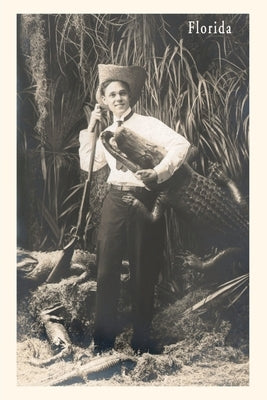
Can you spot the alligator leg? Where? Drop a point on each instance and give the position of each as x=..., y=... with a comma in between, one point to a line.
x=217, y=174
x=57, y=336
x=158, y=208
x=194, y=262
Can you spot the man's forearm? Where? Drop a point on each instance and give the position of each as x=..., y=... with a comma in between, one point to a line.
x=172, y=161
x=85, y=150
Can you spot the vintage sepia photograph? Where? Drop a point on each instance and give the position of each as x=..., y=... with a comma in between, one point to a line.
x=132, y=200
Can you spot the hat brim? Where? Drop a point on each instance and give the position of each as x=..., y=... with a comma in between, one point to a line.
x=133, y=75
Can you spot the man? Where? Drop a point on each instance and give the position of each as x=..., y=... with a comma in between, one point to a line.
x=122, y=228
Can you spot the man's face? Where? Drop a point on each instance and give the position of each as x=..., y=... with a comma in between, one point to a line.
x=116, y=98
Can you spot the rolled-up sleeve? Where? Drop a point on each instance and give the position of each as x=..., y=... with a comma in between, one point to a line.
x=176, y=145
x=85, y=151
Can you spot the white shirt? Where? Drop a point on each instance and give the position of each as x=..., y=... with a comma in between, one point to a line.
x=151, y=129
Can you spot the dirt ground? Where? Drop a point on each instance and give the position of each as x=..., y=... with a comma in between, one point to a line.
x=208, y=349
x=147, y=370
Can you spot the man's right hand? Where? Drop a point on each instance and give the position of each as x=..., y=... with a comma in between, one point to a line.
x=93, y=116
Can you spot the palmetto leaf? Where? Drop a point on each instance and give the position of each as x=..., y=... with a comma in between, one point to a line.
x=74, y=191
x=50, y=221
x=226, y=289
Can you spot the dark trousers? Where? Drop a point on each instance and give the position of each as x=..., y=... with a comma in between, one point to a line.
x=123, y=229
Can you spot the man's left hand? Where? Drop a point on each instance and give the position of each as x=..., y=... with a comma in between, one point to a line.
x=147, y=175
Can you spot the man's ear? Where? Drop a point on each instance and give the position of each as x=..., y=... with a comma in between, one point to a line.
x=104, y=99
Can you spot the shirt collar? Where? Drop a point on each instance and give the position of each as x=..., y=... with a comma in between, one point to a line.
x=123, y=116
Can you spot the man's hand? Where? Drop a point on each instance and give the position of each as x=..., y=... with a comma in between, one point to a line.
x=93, y=116
x=147, y=175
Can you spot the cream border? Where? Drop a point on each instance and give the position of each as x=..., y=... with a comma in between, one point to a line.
x=8, y=198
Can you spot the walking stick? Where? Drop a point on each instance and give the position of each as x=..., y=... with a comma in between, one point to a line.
x=65, y=260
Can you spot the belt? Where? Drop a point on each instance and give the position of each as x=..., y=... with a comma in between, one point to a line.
x=125, y=188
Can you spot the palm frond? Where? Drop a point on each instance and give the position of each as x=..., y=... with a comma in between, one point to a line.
x=224, y=290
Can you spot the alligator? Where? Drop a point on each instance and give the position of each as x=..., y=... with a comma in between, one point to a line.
x=212, y=203
x=94, y=369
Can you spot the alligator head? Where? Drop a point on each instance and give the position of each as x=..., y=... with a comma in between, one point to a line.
x=132, y=150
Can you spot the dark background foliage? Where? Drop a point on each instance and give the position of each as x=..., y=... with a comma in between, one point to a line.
x=197, y=84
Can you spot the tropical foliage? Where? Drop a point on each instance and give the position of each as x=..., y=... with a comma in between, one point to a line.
x=197, y=84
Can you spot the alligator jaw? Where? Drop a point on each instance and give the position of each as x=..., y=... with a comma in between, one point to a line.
x=132, y=150
x=108, y=140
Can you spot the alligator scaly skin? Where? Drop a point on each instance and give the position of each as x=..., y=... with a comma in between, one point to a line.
x=202, y=202
x=96, y=365
x=198, y=199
